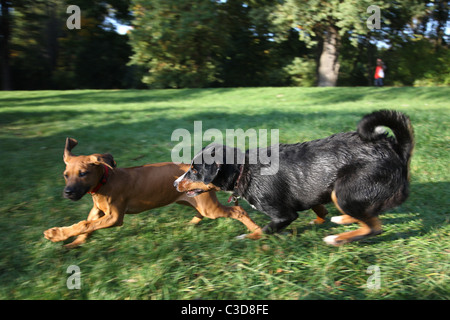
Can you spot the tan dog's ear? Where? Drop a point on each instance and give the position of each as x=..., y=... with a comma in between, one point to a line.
x=106, y=159
x=70, y=144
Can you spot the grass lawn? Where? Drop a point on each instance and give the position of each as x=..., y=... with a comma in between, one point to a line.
x=156, y=255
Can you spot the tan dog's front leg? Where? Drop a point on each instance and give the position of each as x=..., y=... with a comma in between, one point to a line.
x=114, y=218
x=94, y=214
x=195, y=220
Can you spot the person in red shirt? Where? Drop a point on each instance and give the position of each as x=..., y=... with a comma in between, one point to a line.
x=379, y=73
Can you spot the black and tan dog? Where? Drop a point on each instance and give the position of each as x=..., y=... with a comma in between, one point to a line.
x=363, y=173
x=117, y=191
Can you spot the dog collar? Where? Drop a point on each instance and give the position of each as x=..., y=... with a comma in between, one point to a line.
x=102, y=181
x=234, y=197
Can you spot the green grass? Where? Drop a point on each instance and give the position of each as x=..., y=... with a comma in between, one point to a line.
x=155, y=255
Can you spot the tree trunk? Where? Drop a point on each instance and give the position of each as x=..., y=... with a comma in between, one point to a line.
x=4, y=45
x=329, y=64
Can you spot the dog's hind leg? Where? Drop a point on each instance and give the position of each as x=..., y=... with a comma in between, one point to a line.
x=369, y=227
x=345, y=218
x=369, y=222
x=321, y=212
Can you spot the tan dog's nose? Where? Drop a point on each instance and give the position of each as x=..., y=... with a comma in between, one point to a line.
x=68, y=192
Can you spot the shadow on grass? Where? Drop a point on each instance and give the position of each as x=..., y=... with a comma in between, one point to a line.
x=110, y=97
x=327, y=96
x=415, y=217
x=92, y=130
x=322, y=96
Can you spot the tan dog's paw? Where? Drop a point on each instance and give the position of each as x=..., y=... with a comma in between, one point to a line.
x=55, y=234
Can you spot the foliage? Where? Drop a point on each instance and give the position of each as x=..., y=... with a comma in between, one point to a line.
x=177, y=41
x=326, y=25
x=208, y=43
x=214, y=43
x=302, y=72
x=312, y=18
x=45, y=54
x=418, y=63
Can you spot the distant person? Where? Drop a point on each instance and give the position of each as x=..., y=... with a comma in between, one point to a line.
x=379, y=73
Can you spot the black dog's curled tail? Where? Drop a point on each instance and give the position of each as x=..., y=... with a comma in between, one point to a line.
x=398, y=122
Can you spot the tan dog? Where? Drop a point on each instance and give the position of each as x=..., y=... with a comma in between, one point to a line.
x=117, y=191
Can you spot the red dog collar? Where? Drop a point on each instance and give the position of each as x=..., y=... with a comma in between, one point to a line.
x=102, y=181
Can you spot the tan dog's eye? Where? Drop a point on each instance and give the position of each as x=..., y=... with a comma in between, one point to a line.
x=82, y=174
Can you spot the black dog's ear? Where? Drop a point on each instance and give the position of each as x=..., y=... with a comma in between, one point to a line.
x=211, y=172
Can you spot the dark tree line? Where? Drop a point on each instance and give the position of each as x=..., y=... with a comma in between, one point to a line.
x=211, y=43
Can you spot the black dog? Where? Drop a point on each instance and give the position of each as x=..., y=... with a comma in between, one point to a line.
x=364, y=173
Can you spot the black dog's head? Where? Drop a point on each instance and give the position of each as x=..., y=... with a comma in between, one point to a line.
x=204, y=172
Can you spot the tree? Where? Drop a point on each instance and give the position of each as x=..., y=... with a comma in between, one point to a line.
x=45, y=54
x=250, y=57
x=5, y=35
x=245, y=55
x=326, y=23
x=210, y=43
x=35, y=29
x=178, y=42
x=321, y=23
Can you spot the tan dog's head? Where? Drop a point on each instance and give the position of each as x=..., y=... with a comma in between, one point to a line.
x=83, y=173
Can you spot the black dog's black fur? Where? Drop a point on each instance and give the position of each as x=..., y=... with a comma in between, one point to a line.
x=368, y=171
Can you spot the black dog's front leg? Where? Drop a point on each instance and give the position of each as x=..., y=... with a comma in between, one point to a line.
x=279, y=223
